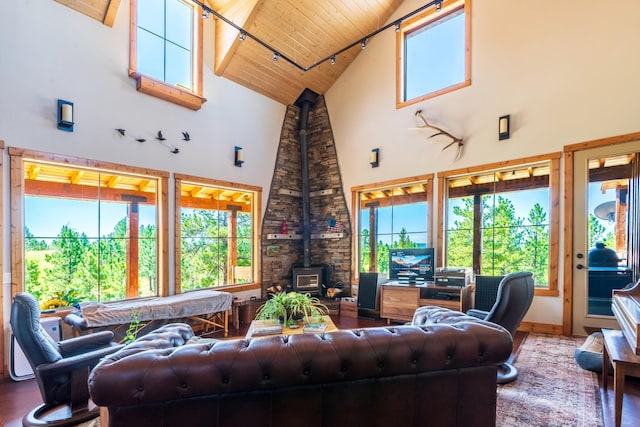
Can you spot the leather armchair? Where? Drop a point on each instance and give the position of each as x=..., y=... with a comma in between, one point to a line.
x=60, y=368
x=515, y=294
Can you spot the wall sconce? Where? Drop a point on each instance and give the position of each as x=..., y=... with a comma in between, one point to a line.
x=373, y=157
x=238, y=159
x=65, y=115
x=504, y=127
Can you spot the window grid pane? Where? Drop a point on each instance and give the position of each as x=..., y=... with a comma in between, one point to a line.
x=77, y=241
x=515, y=225
x=435, y=56
x=216, y=238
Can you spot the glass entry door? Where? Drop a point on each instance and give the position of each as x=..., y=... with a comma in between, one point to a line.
x=600, y=240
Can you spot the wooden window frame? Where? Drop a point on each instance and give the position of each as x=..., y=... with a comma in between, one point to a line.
x=191, y=99
x=554, y=210
x=430, y=16
x=256, y=204
x=17, y=157
x=426, y=179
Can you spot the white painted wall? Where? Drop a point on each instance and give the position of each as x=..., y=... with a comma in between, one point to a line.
x=48, y=51
x=567, y=72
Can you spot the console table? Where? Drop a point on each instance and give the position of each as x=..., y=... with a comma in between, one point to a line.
x=398, y=301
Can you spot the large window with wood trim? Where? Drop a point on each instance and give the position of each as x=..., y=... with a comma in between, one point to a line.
x=216, y=227
x=86, y=230
x=499, y=220
x=434, y=52
x=391, y=215
x=166, y=50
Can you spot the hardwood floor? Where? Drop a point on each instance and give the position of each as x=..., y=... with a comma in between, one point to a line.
x=18, y=398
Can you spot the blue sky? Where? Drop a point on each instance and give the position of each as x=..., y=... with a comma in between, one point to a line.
x=45, y=216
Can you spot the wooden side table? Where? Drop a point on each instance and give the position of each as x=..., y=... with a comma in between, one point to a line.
x=625, y=362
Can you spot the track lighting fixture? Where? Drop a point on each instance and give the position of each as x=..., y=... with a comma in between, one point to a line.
x=332, y=58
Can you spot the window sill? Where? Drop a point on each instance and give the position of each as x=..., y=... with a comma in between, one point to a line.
x=167, y=92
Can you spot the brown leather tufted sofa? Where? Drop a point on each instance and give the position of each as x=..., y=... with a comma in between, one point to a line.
x=442, y=374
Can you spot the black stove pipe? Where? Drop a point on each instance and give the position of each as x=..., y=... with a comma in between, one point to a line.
x=305, y=101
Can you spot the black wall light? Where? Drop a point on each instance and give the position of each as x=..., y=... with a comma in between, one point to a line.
x=238, y=157
x=504, y=127
x=65, y=115
x=373, y=157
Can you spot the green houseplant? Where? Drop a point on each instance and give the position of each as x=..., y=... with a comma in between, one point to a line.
x=290, y=306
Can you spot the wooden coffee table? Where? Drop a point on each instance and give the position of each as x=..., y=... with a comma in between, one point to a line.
x=331, y=327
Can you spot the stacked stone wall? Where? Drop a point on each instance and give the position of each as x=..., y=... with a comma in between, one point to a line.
x=328, y=213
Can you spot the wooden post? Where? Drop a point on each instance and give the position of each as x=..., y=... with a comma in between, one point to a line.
x=233, y=242
x=373, y=233
x=133, y=244
x=477, y=233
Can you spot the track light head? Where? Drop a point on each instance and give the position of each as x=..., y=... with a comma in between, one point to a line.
x=439, y=6
x=205, y=14
x=242, y=36
x=276, y=56
x=364, y=43
x=333, y=59
x=397, y=27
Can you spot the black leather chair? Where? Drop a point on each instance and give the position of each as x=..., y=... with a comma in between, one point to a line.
x=515, y=294
x=60, y=368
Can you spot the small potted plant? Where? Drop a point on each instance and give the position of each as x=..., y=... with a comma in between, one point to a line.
x=287, y=307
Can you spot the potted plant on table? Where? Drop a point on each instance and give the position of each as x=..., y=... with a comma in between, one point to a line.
x=288, y=307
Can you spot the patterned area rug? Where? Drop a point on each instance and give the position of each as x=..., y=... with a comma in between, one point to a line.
x=551, y=389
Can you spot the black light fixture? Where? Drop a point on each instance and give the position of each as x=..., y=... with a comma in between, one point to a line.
x=504, y=127
x=374, y=157
x=333, y=59
x=238, y=157
x=65, y=115
x=277, y=55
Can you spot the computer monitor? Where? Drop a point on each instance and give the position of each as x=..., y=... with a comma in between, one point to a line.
x=412, y=265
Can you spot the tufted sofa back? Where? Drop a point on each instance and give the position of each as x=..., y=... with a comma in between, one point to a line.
x=405, y=376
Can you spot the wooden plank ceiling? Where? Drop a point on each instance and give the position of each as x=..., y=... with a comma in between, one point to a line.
x=305, y=31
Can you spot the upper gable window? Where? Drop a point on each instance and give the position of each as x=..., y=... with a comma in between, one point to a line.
x=166, y=58
x=434, y=53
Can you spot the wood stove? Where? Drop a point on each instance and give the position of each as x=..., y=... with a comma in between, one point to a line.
x=308, y=279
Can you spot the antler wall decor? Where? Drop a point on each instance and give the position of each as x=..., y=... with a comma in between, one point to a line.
x=454, y=140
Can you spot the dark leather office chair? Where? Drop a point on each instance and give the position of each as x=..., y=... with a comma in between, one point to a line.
x=515, y=294
x=61, y=368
